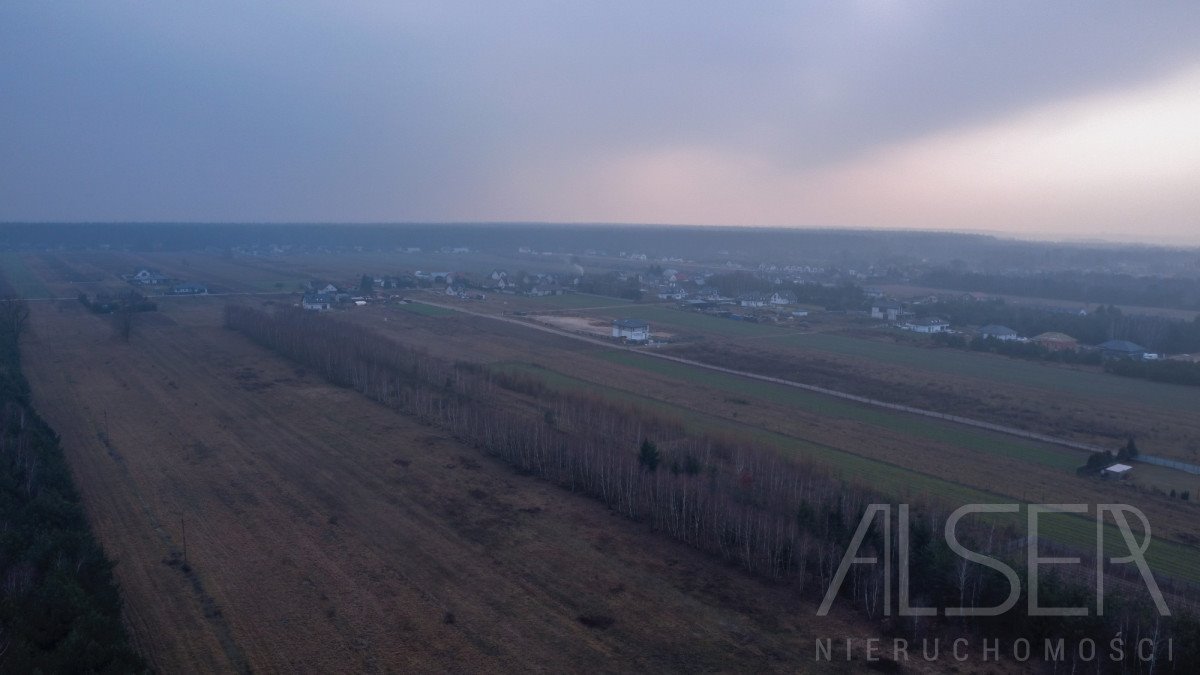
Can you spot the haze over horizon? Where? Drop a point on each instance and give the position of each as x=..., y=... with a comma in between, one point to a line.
x=1025, y=119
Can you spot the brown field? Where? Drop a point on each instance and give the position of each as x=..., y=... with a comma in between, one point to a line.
x=324, y=532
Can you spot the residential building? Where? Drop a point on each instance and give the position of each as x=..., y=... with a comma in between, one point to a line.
x=317, y=301
x=998, y=332
x=1121, y=349
x=927, y=325
x=633, y=330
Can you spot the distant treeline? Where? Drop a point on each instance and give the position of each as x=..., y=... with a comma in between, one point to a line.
x=1106, y=322
x=843, y=249
x=1091, y=287
x=60, y=610
x=773, y=516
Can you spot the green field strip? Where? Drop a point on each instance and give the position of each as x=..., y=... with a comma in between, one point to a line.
x=1167, y=557
x=426, y=310
x=995, y=368
x=946, y=432
x=21, y=278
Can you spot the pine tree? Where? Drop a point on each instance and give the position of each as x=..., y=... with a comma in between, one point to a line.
x=648, y=455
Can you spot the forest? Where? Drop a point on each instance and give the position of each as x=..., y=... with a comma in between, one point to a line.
x=778, y=518
x=60, y=609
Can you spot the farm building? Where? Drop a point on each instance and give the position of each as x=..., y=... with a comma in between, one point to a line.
x=189, y=289
x=1121, y=349
x=634, y=330
x=1057, y=342
x=783, y=298
x=890, y=311
x=929, y=325
x=998, y=332
x=317, y=301
x=1116, y=471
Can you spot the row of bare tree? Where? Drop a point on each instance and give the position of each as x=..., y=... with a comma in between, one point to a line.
x=777, y=517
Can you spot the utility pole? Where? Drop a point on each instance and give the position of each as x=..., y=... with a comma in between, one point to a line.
x=183, y=525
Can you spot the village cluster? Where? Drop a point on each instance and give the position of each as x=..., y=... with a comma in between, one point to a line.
x=690, y=290
x=901, y=316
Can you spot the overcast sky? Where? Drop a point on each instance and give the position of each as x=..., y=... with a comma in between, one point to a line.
x=1074, y=119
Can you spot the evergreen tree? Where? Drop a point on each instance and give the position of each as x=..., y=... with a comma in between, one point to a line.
x=648, y=455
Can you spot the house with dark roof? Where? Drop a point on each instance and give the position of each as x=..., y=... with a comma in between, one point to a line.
x=998, y=332
x=1121, y=349
x=317, y=302
x=633, y=330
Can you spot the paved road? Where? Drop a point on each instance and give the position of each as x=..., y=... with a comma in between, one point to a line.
x=956, y=419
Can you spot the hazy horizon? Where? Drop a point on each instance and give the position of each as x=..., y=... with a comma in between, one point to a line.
x=1187, y=242
x=1022, y=120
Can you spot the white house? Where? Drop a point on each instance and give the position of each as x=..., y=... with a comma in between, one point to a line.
x=929, y=325
x=149, y=277
x=634, y=330
x=1116, y=471
x=317, y=302
x=998, y=332
x=541, y=290
x=753, y=300
x=783, y=298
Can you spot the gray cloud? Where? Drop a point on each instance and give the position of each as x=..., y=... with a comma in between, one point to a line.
x=366, y=111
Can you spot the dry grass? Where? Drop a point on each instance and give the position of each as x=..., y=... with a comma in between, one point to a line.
x=327, y=533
